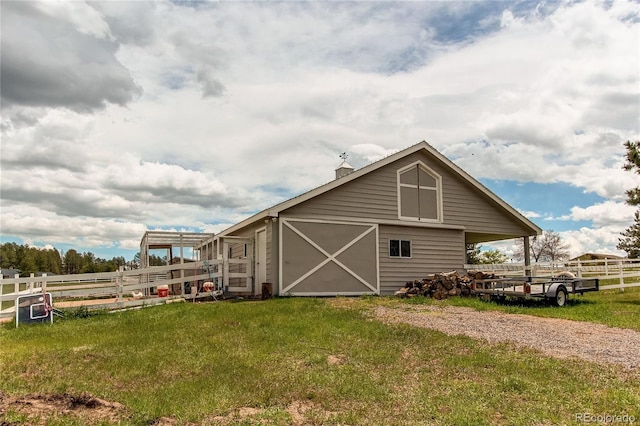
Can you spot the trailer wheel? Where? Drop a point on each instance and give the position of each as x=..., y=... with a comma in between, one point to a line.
x=561, y=296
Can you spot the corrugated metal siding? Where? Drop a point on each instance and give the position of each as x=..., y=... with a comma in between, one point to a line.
x=375, y=196
x=432, y=251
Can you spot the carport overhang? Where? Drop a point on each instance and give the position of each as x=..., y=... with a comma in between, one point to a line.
x=480, y=237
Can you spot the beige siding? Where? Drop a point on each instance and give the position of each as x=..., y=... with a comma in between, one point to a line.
x=272, y=256
x=432, y=251
x=467, y=214
x=371, y=196
x=272, y=251
x=375, y=196
x=237, y=252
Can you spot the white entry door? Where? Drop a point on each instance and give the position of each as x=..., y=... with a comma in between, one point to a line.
x=261, y=259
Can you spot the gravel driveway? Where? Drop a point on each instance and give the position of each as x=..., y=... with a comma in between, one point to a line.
x=555, y=337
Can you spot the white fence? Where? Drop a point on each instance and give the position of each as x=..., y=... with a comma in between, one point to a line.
x=613, y=273
x=123, y=289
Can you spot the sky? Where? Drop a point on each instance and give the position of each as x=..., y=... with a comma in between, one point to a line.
x=123, y=117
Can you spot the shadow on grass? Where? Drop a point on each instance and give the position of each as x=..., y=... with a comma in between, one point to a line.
x=510, y=302
x=539, y=303
x=627, y=302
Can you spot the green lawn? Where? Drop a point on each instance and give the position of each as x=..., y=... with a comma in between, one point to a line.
x=193, y=362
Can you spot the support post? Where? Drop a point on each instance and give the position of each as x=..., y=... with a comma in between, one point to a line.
x=225, y=266
x=527, y=257
x=182, y=265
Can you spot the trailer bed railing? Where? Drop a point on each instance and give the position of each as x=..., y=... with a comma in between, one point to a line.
x=612, y=273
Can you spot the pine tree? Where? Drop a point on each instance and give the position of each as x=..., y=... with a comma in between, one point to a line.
x=633, y=164
x=630, y=240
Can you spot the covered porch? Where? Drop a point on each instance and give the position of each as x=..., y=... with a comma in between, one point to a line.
x=201, y=259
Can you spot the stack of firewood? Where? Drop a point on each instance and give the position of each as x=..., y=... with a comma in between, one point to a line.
x=443, y=285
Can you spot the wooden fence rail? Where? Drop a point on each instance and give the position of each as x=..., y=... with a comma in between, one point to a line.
x=123, y=289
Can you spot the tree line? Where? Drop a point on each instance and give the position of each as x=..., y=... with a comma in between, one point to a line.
x=32, y=260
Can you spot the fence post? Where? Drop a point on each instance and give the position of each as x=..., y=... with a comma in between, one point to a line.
x=16, y=286
x=579, y=269
x=120, y=283
x=621, y=276
x=16, y=289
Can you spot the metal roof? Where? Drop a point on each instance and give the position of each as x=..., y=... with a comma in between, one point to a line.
x=167, y=239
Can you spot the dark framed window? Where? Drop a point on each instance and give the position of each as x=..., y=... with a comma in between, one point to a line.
x=399, y=248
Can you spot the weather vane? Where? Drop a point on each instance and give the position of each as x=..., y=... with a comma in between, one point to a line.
x=344, y=156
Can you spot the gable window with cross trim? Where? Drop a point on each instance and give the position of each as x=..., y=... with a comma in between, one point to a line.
x=419, y=193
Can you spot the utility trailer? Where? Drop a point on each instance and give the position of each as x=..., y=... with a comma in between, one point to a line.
x=553, y=289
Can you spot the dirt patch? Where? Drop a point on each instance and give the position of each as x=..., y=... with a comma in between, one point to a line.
x=39, y=408
x=336, y=359
x=301, y=413
x=169, y=421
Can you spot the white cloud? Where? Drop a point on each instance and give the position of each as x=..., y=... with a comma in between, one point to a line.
x=200, y=116
x=38, y=224
x=593, y=240
x=61, y=58
x=609, y=213
x=84, y=18
x=530, y=214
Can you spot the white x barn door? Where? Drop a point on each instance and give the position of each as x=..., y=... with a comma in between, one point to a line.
x=328, y=258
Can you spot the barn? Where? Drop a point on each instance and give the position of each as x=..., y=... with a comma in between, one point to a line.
x=370, y=230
